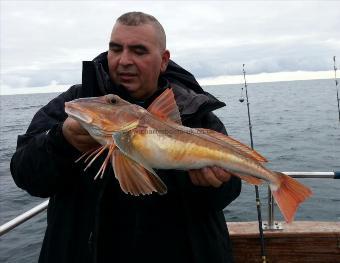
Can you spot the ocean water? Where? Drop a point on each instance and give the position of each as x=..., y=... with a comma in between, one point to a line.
x=295, y=126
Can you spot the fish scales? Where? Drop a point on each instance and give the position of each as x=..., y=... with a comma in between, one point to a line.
x=174, y=147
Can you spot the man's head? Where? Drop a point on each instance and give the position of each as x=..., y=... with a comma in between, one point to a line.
x=137, y=53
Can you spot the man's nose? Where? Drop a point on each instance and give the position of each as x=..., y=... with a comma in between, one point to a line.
x=125, y=58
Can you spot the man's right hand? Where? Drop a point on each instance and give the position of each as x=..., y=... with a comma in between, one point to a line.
x=77, y=136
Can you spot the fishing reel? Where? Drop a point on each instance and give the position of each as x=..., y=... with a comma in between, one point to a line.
x=241, y=99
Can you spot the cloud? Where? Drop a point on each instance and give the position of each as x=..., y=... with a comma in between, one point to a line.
x=266, y=77
x=45, y=41
x=41, y=74
x=262, y=57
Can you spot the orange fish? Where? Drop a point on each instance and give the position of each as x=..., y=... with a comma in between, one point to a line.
x=141, y=140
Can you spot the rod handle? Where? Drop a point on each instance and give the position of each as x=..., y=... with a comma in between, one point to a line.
x=336, y=174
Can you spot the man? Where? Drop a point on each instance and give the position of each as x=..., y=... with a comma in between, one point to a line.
x=94, y=221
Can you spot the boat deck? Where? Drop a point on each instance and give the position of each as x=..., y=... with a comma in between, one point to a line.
x=300, y=241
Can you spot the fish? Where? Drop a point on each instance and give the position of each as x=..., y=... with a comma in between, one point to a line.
x=140, y=141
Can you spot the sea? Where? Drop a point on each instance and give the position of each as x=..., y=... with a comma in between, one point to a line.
x=295, y=125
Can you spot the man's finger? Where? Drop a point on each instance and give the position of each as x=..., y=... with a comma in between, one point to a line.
x=193, y=177
x=210, y=177
x=221, y=174
x=197, y=177
x=201, y=178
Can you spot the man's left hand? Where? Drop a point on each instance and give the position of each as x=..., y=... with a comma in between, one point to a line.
x=209, y=176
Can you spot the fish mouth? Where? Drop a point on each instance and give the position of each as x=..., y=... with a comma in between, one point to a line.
x=73, y=111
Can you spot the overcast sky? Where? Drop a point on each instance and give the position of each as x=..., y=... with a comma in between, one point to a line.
x=44, y=42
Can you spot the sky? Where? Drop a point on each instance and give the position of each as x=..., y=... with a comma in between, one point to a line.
x=43, y=43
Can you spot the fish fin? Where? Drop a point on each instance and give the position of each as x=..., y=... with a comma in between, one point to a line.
x=249, y=179
x=241, y=147
x=134, y=178
x=89, y=153
x=288, y=195
x=101, y=170
x=97, y=153
x=165, y=107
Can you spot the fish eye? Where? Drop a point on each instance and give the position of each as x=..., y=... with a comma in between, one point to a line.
x=110, y=99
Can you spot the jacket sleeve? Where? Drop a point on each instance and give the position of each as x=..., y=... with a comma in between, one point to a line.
x=43, y=162
x=215, y=198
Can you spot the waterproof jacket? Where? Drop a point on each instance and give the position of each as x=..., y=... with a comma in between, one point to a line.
x=93, y=220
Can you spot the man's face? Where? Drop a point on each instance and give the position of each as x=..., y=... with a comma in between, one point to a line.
x=136, y=59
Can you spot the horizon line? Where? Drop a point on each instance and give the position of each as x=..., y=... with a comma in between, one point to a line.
x=53, y=87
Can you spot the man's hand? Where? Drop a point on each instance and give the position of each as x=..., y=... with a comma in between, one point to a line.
x=209, y=176
x=76, y=135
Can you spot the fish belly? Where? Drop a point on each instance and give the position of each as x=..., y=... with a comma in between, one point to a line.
x=167, y=152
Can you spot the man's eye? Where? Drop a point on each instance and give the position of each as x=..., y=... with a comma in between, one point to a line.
x=115, y=49
x=140, y=51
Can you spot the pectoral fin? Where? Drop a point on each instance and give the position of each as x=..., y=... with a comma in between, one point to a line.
x=134, y=178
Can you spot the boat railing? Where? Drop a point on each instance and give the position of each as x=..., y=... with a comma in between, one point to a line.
x=269, y=225
x=23, y=218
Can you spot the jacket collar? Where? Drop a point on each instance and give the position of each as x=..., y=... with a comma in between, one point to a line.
x=192, y=104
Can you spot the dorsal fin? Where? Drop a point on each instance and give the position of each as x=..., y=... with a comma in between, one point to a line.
x=165, y=107
x=245, y=149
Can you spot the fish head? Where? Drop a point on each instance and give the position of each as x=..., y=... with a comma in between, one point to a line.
x=108, y=113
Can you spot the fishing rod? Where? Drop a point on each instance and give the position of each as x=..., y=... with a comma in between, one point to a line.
x=258, y=202
x=336, y=86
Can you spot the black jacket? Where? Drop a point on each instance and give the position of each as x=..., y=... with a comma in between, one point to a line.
x=94, y=221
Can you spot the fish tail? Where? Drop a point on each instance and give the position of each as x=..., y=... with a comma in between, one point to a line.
x=289, y=195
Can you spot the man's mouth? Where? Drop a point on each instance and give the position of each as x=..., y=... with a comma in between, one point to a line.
x=127, y=76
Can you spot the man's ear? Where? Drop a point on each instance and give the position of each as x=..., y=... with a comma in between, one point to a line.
x=165, y=60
